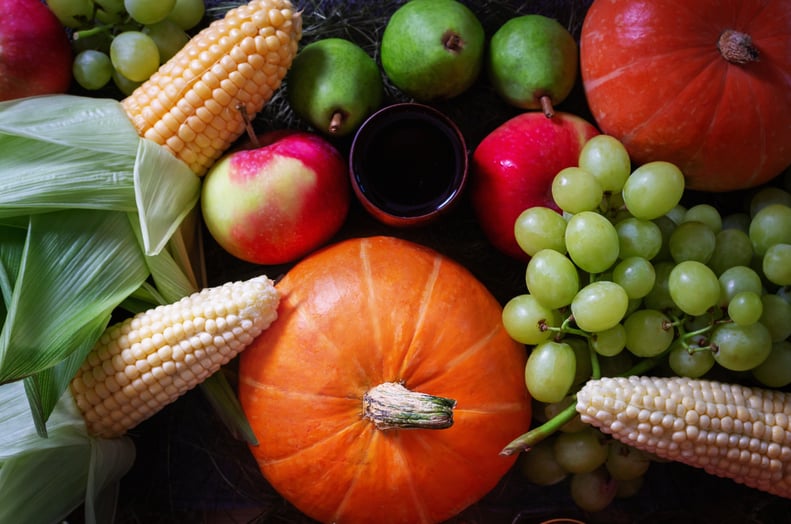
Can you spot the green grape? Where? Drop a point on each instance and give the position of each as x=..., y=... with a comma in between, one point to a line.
x=149, y=11
x=609, y=342
x=581, y=451
x=686, y=363
x=648, y=332
x=187, y=13
x=625, y=462
x=525, y=319
x=635, y=275
x=769, y=195
x=638, y=238
x=676, y=214
x=659, y=297
x=591, y=241
x=538, y=228
x=653, y=189
x=616, y=364
x=582, y=356
x=692, y=241
x=732, y=247
x=606, y=158
x=740, y=348
x=72, y=13
x=776, y=316
x=666, y=227
x=554, y=408
x=771, y=225
x=776, y=264
x=706, y=214
x=775, y=371
x=737, y=279
x=550, y=370
x=552, y=278
x=694, y=287
x=539, y=465
x=593, y=491
x=599, y=306
x=123, y=84
x=745, y=307
x=134, y=55
x=92, y=69
x=110, y=12
x=575, y=190
x=738, y=220
x=168, y=37
x=629, y=488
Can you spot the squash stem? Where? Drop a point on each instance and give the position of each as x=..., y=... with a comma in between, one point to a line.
x=392, y=406
x=737, y=47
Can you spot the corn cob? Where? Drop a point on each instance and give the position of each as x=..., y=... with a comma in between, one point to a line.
x=728, y=430
x=145, y=362
x=195, y=105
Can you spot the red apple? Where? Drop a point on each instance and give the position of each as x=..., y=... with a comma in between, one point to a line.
x=35, y=53
x=278, y=201
x=513, y=166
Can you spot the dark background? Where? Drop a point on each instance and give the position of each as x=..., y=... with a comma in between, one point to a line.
x=189, y=469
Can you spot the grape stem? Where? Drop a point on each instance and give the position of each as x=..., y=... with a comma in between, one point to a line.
x=95, y=30
x=528, y=440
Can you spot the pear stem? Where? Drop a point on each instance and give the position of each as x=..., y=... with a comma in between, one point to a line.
x=336, y=122
x=453, y=42
x=546, y=106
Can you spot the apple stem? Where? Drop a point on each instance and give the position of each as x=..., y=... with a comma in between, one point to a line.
x=546, y=106
x=336, y=122
x=248, y=125
x=737, y=47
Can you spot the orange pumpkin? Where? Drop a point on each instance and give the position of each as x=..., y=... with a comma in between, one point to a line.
x=387, y=387
x=705, y=84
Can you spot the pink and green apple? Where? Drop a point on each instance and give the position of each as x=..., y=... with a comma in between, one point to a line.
x=513, y=166
x=274, y=203
x=35, y=53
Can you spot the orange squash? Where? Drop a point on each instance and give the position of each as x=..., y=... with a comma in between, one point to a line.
x=387, y=387
x=705, y=84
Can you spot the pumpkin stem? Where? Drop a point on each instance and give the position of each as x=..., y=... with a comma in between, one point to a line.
x=737, y=47
x=392, y=406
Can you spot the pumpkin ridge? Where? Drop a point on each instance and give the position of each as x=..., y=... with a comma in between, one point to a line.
x=668, y=104
x=424, y=309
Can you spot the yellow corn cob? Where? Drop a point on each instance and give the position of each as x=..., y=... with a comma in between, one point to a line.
x=728, y=430
x=194, y=105
x=147, y=361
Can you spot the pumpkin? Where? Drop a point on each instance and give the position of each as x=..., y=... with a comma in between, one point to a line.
x=705, y=84
x=387, y=387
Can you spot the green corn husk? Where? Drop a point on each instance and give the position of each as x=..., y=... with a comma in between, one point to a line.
x=93, y=219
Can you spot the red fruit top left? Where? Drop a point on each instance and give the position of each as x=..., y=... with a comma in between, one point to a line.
x=35, y=52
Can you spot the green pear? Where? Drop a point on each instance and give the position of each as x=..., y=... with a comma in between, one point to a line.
x=334, y=85
x=433, y=49
x=532, y=62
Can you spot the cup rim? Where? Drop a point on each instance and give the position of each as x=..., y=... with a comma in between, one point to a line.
x=452, y=130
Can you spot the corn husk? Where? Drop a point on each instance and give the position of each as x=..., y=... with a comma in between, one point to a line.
x=93, y=219
x=44, y=479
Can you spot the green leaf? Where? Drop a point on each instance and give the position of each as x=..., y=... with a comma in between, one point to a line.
x=166, y=190
x=77, y=266
x=45, y=388
x=45, y=479
x=65, y=151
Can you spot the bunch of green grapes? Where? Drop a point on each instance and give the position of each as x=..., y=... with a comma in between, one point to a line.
x=125, y=41
x=627, y=272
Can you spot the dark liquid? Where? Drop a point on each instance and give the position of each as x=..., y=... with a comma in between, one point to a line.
x=408, y=166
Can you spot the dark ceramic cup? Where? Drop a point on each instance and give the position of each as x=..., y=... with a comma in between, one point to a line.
x=408, y=164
